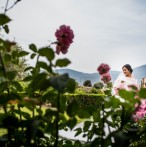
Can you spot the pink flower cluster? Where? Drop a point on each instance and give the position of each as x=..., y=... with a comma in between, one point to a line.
x=64, y=37
x=140, y=111
x=103, y=70
x=106, y=77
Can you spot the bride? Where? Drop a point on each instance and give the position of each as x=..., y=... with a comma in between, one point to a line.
x=125, y=80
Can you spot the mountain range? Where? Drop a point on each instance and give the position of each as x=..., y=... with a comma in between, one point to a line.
x=138, y=72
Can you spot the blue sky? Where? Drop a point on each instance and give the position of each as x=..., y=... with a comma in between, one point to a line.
x=106, y=31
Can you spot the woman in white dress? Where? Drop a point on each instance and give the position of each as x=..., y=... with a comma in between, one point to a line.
x=125, y=80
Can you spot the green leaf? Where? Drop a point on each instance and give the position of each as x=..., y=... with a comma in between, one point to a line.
x=17, y=86
x=23, y=53
x=142, y=93
x=3, y=86
x=40, y=112
x=62, y=62
x=79, y=131
x=15, y=96
x=71, y=84
x=16, y=62
x=96, y=116
x=62, y=103
x=59, y=82
x=32, y=55
x=73, y=108
x=24, y=114
x=6, y=28
x=44, y=85
x=83, y=114
x=50, y=113
x=33, y=48
x=2, y=79
x=28, y=68
x=11, y=74
x=4, y=98
x=47, y=52
x=112, y=102
x=50, y=96
x=77, y=143
x=44, y=66
x=7, y=57
x=72, y=122
x=91, y=109
x=4, y=19
x=38, y=81
x=87, y=125
x=14, y=54
x=127, y=95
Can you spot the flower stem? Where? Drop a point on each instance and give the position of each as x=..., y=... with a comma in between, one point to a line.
x=57, y=121
x=102, y=139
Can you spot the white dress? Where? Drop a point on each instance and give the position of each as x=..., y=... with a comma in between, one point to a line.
x=123, y=82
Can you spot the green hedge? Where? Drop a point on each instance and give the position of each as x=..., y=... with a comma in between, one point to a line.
x=86, y=99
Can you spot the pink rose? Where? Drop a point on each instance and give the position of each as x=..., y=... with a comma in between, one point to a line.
x=106, y=77
x=140, y=110
x=103, y=68
x=64, y=37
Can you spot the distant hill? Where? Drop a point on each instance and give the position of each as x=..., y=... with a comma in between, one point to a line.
x=139, y=72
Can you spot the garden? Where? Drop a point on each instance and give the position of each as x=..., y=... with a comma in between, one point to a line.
x=36, y=103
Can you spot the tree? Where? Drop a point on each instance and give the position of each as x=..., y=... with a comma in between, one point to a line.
x=87, y=83
x=13, y=59
x=98, y=85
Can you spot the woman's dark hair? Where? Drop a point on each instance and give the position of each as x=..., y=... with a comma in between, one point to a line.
x=128, y=67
